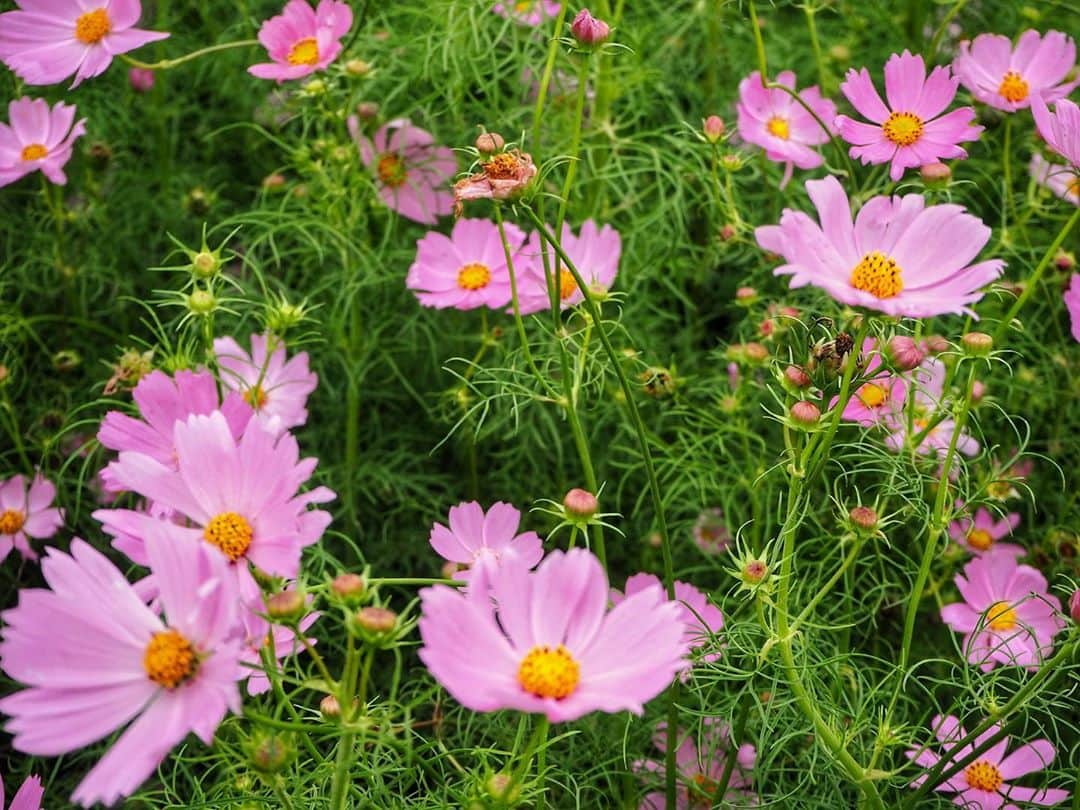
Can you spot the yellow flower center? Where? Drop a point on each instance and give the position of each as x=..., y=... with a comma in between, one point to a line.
x=391, y=170
x=982, y=775
x=34, y=151
x=779, y=127
x=92, y=26
x=567, y=285
x=523, y=6
x=1013, y=88
x=304, y=52
x=502, y=166
x=703, y=790
x=169, y=659
x=11, y=521
x=872, y=395
x=474, y=276
x=980, y=539
x=1073, y=189
x=231, y=533
x=999, y=616
x=903, y=128
x=255, y=397
x=878, y=275
x=999, y=490
x=549, y=673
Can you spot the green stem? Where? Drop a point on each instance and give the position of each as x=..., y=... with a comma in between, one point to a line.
x=759, y=43
x=545, y=80
x=1006, y=170
x=168, y=64
x=811, y=25
x=856, y=545
x=935, y=41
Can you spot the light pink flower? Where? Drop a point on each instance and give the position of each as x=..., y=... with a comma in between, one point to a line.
x=95, y=657
x=240, y=496
x=772, y=119
x=1006, y=78
x=984, y=784
x=39, y=138
x=595, y=253
x=900, y=256
x=466, y=269
x=257, y=635
x=503, y=176
x=277, y=389
x=27, y=513
x=163, y=401
x=911, y=131
x=1062, y=181
x=711, y=533
x=701, y=768
x=141, y=80
x=874, y=399
x=411, y=172
x=528, y=12
x=28, y=797
x=1060, y=128
x=544, y=642
x=928, y=383
x=485, y=543
x=1007, y=616
x=980, y=536
x=302, y=40
x=1072, y=304
x=45, y=41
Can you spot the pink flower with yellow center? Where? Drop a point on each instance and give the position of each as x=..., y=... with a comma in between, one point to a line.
x=595, y=252
x=899, y=255
x=1005, y=77
x=774, y=120
x=302, y=40
x=985, y=783
x=702, y=765
x=96, y=659
x=528, y=12
x=466, y=269
x=1007, y=614
x=258, y=634
x=485, y=542
x=926, y=384
x=25, y=513
x=38, y=138
x=544, y=641
x=980, y=535
x=879, y=395
x=910, y=131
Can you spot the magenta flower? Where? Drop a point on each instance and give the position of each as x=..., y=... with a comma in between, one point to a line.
x=544, y=642
x=911, y=131
x=257, y=635
x=1006, y=78
x=411, y=172
x=595, y=253
x=1062, y=181
x=701, y=768
x=95, y=657
x=528, y=12
x=485, y=543
x=28, y=797
x=879, y=396
x=1060, y=128
x=982, y=785
x=1007, y=616
x=772, y=119
x=240, y=496
x=1072, y=304
x=141, y=79
x=45, y=41
x=711, y=533
x=928, y=384
x=900, y=256
x=302, y=40
x=163, y=401
x=467, y=269
x=277, y=389
x=27, y=513
x=39, y=138
x=980, y=536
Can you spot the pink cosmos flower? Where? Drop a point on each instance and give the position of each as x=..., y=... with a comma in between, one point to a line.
x=277, y=389
x=773, y=120
x=1006, y=78
x=1072, y=304
x=467, y=269
x=411, y=172
x=899, y=256
x=484, y=543
x=27, y=513
x=1060, y=128
x=1062, y=181
x=302, y=40
x=711, y=533
x=528, y=12
x=980, y=536
x=1007, y=616
x=503, y=176
x=45, y=41
x=879, y=395
x=911, y=131
x=95, y=657
x=982, y=785
x=239, y=495
x=163, y=401
x=928, y=383
x=39, y=138
x=595, y=253
x=257, y=635
x=701, y=768
x=546, y=642
x=141, y=79
x=28, y=797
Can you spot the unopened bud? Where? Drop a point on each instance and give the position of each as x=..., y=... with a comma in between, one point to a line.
x=357, y=67
x=141, y=79
x=936, y=175
x=273, y=181
x=580, y=503
x=796, y=377
x=367, y=110
x=202, y=302
x=864, y=517
x=348, y=587
x=376, y=619
x=805, y=413
x=588, y=30
x=731, y=162
x=1064, y=260
x=755, y=571
x=270, y=753
x=756, y=352
x=977, y=344
x=936, y=344
x=657, y=382
x=204, y=264
x=714, y=128
x=727, y=233
x=502, y=788
x=488, y=143
x=329, y=707
x=905, y=353
x=746, y=295
x=286, y=605
x=315, y=87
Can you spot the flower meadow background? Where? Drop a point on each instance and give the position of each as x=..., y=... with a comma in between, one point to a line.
x=310, y=497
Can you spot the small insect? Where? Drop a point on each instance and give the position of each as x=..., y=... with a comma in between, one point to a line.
x=830, y=352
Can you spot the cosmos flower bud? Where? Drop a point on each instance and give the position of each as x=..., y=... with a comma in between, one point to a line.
x=287, y=605
x=367, y=110
x=977, y=344
x=205, y=264
x=905, y=353
x=580, y=503
x=657, y=381
x=731, y=162
x=141, y=79
x=744, y=296
x=714, y=128
x=357, y=67
x=1064, y=260
x=202, y=302
x=270, y=753
x=796, y=377
x=755, y=571
x=502, y=787
x=936, y=175
x=349, y=588
x=936, y=344
x=863, y=517
x=806, y=413
x=275, y=181
x=588, y=30
x=329, y=707
x=727, y=233
x=489, y=142
x=375, y=620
